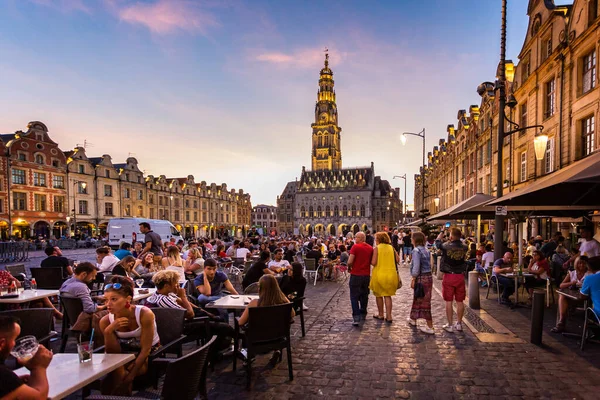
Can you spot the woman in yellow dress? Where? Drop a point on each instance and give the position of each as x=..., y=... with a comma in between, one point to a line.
x=384, y=278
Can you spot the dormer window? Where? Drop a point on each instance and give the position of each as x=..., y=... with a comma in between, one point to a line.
x=39, y=159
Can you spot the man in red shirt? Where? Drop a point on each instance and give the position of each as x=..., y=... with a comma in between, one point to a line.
x=359, y=265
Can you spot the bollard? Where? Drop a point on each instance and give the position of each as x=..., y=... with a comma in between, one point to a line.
x=537, y=317
x=474, y=290
x=439, y=274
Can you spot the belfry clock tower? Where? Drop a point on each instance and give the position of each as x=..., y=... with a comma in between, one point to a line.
x=326, y=146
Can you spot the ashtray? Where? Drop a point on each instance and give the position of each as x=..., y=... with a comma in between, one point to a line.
x=143, y=291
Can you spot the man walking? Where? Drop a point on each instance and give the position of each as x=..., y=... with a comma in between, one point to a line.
x=152, y=243
x=359, y=265
x=453, y=265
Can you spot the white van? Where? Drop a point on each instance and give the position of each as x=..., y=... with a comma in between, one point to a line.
x=128, y=230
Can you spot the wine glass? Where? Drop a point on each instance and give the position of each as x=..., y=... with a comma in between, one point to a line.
x=139, y=283
x=25, y=348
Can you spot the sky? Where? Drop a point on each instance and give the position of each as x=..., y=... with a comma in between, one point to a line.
x=225, y=89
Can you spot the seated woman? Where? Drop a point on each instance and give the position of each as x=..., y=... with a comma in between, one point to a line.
x=146, y=268
x=221, y=251
x=342, y=265
x=126, y=328
x=173, y=262
x=539, y=268
x=126, y=268
x=269, y=294
x=574, y=280
x=170, y=295
x=293, y=283
x=194, y=264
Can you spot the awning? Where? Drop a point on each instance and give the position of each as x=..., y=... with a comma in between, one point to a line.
x=576, y=187
x=458, y=211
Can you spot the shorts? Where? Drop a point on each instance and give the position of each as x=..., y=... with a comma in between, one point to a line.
x=407, y=251
x=453, y=287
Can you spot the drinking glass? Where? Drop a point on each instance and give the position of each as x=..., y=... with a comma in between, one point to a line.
x=85, y=351
x=25, y=348
x=139, y=283
x=3, y=290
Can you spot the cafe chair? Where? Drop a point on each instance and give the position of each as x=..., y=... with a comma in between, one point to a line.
x=591, y=322
x=72, y=307
x=18, y=271
x=268, y=329
x=311, y=267
x=492, y=280
x=251, y=288
x=298, y=303
x=48, y=278
x=185, y=378
x=37, y=322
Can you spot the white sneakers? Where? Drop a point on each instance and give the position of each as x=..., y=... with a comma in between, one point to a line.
x=411, y=322
x=426, y=329
x=454, y=327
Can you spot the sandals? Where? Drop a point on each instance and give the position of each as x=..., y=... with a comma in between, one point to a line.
x=389, y=321
x=377, y=317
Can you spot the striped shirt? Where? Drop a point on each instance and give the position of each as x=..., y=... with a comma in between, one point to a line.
x=163, y=301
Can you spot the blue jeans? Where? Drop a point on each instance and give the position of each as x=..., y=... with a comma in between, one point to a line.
x=509, y=286
x=204, y=300
x=359, y=294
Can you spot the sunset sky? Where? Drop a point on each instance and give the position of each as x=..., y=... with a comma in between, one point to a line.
x=225, y=90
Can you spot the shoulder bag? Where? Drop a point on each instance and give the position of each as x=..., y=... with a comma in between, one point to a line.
x=396, y=259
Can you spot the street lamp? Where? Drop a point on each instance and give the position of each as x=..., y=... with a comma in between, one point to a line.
x=170, y=207
x=539, y=142
x=403, y=177
x=68, y=227
x=403, y=139
x=436, y=203
x=83, y=185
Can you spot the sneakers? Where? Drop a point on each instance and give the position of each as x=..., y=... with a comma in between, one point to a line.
x=355, y=321
x=304, y=307
x=426, y=329
x=448, y=328
x=458, y=327
x=411, y=322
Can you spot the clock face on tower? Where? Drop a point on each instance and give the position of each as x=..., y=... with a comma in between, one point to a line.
x=323, y=118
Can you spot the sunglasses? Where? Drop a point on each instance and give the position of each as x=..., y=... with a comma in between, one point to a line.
x=115, y=286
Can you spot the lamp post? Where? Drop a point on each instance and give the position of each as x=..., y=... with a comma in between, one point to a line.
x=83, y=186
x=539, y=142
x=403, y=177
x=68, y=227
x=170, y=207
x=422, y=136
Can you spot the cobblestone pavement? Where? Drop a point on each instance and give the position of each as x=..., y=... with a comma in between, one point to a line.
x=337, y=360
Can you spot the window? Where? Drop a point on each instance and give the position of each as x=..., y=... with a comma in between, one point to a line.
x=489, y=183
x=59, y=203
x=187, y=215
x=589, y=72
x=525, y=70
x=177, y=215
x=550, y=98
x=140, y=211
x=81, y=188
x=107, y=173
x=81, y=169
x=549, y=156
x=140, y=195
x=187, y=204
x=39, y=179
x=177, y=202
x=39, y=159
x=108, y=190
x=523, y=172
x=522, y=117
x=205, y=219
x=22, y=157
x=108, y=208
x=592, y=11
x=127, y=193
x=127, y=210
x=58, y=182
x=480, y=185
x=40, y=202
x=19, y=201
x=195, y=215
x=547, y=47
x=589, y=135
x=83, y=207
x=55, y=163
x=18, y=176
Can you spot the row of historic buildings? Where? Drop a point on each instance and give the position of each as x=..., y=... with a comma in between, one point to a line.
x=555, y=84
x=265, y=217
x=329, y=199
x=47, y=192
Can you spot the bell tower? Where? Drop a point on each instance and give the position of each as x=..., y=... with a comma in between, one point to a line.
x=326, y=145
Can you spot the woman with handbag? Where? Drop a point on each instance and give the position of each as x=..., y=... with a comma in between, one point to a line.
x=422, y=283
x=384, y=279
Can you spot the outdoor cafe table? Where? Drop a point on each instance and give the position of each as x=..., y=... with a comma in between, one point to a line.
x=233, y=302
x=67, y=375
x=516, y=276
x=137, y=296
x=26, y=296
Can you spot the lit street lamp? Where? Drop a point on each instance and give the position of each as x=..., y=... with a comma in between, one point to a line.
x=83, y=185
x=539, y=142
x=403, y=139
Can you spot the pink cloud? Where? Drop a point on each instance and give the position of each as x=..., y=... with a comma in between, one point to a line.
x=168, y=16
x=301, y=58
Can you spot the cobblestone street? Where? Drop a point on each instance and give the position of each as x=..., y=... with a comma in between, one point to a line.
x=337, y=360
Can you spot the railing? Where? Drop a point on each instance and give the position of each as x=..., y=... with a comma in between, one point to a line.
x=14, y=251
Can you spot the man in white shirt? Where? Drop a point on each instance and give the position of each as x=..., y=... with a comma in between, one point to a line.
x=590, y=246
x=242, y=252
x=487, y=259
x=278, y=264
x=105, y=260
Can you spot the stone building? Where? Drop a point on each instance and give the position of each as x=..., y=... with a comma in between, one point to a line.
x=265, y=216
x=56, y=193
x=554, y=84
x=329, y=199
